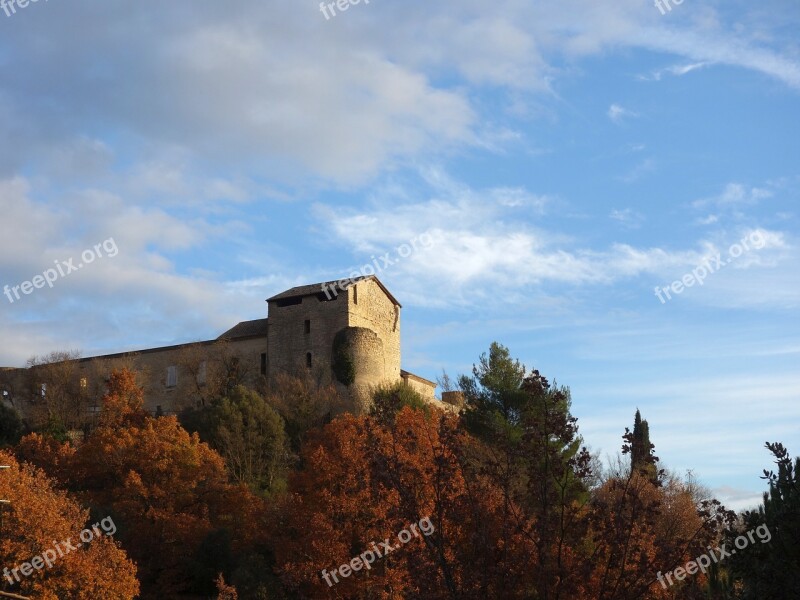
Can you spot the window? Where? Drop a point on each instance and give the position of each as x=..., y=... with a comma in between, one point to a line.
x=264, y=364
x=84, y=383
x=355, y=294
x=308, y=359
x=289, y=302
x=201, y=373
x=44, y=390
x=172, y=376
x=308, y=326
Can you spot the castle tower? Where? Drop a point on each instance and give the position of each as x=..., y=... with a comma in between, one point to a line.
x=348, y=334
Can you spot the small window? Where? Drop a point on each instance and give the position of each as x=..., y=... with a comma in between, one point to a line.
x=264, y=364
x=355, y=294
x=44, y=390
x=172, y=376
x=289, y=302
x=308, y=326
x=308, y=359
x=201, y=373
x=84, y=383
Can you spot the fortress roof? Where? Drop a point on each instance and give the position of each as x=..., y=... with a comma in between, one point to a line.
x=319, y=288
x=245, y=329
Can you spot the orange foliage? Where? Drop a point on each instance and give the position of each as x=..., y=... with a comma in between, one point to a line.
x=40, y=515
x=166, y=489
x=364, y=481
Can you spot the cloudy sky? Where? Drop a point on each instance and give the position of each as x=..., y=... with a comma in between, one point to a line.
x=565, y=158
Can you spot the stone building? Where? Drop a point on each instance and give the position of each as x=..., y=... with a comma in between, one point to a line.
x=348, y=335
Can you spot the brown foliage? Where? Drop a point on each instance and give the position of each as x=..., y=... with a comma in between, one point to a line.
x=363, y=482
x=39, y=515
x=167, y=490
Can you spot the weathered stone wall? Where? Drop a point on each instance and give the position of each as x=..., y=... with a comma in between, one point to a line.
x=423, y=388
x=289, y=343
x=298, y=329
x=240, y=359
x=367, y=354
x=370, y=307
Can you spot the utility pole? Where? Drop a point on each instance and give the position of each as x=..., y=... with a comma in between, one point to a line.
x=3, y=503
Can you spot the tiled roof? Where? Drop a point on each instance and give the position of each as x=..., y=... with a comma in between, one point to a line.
x=318, y=288
x=257, y=328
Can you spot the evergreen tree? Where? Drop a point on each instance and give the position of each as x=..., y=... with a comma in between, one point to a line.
x=769, y=569
x=642, y=458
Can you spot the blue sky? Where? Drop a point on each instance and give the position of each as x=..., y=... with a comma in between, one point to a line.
x=565, y=158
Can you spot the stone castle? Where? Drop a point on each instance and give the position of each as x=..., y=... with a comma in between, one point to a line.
x=350, y=338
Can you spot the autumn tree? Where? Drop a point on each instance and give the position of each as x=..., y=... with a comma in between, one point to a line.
x=54, y=391
x=168, y=492
x=640, y=526
x=534, y=453
x=304, y=403
x=365, y=480
x=39, y=516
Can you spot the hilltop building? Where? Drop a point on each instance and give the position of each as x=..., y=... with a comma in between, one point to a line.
x=350, y=338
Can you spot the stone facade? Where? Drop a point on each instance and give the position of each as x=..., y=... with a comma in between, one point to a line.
x=297, y=338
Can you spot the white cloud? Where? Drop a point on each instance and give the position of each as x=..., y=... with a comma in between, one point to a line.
x=618, y=113
x=628, y=217
x=676, y=70
x=484, y=249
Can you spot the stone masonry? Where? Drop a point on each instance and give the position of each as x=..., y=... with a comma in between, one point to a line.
x=297, y=338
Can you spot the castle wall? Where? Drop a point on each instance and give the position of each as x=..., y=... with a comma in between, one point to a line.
x=290, y=342
x=423, y=387
x=370, y=307
x=298, y=339
x=201, y=370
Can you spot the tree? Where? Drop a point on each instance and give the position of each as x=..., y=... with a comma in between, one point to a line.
x=251, y=438
x=642, y=458
x=494, y=393
x=389, y=399
x=304, y=403
x=55, y=392
x=535, y=455
x=770, y=566
x=405, y=470
x=11, y=427
x=38, y=515
x=168, y=492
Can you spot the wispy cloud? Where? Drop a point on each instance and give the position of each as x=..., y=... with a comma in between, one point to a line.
x=676, y=70
x=618, y=113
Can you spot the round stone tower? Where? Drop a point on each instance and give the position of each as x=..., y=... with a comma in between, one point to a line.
x=359, y=364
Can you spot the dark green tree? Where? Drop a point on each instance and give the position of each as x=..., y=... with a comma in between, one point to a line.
x=389, y=399
x=642, y=458
x=494, y=397
x=250, y=436
x=769, y=568
x=11, y=428
x=534, y=453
